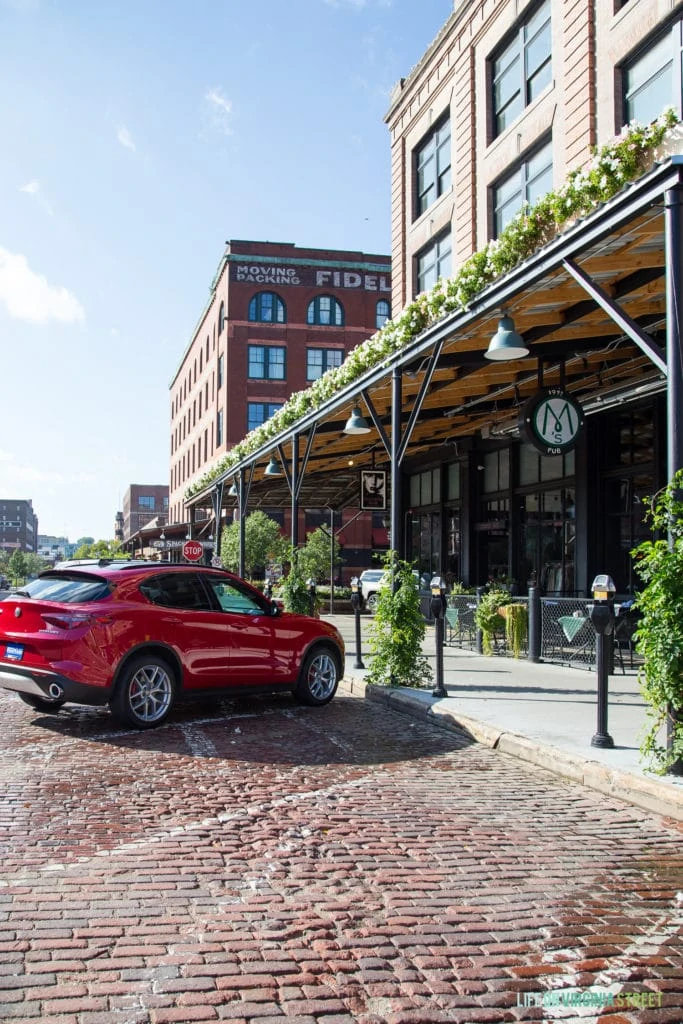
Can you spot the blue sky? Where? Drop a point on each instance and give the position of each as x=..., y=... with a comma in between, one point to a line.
x=137, y=136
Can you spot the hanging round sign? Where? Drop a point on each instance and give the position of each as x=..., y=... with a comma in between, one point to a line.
x=551, y=421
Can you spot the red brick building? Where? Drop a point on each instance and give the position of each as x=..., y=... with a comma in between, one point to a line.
x=277, y=318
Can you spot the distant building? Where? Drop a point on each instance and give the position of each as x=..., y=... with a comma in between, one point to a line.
x=18, y=525
x=142, y=504
x=278, y=317
x=53, y=549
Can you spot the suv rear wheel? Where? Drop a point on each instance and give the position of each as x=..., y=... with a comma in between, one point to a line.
x=372, y=601
x=145, y=692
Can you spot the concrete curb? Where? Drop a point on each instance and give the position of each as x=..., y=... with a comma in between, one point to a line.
x=649, y=794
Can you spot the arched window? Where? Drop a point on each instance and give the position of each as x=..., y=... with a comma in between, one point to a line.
x=382, y=313
x=221, y=318
x=326, y=311
x=267, y=308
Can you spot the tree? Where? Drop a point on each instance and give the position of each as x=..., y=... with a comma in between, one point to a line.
x=100, y=549
x=34, y=563
x=263, y=543
x=17, y=566
x=84, y=541
x=398, y=630
x=315, y=557
x=659, y=634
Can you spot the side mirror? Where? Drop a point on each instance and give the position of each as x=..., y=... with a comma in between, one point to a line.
x=275, y=608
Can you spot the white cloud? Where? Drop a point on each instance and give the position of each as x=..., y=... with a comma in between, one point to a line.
x=126, y=139
x=28, y=296
x=220, y=110
x=32, y=188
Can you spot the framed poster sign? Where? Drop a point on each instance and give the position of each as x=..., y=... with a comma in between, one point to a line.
x=373, y=489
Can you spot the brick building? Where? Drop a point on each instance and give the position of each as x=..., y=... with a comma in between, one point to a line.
x=18, y=525
x=277, y=318
x=143, y=504
x=507, y=100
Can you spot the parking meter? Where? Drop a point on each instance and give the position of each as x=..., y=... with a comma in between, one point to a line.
x=437, y=603
x=437, y=606
x=602, y=611
x=356, y=602
x=601, y=614
x=268, y=589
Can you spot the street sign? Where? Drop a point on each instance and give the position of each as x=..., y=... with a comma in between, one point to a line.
x=193, y=550
x=217, y=562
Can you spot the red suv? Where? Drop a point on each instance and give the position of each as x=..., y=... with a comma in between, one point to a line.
x=138, y=636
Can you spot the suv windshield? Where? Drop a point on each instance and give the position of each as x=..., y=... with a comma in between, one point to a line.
x=67, y=588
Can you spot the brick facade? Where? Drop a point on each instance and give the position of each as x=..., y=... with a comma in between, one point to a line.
x=212, y=388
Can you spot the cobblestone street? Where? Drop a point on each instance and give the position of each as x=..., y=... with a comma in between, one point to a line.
x=255, y=861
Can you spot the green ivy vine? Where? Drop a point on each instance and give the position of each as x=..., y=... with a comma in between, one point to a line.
x=659, y=635
x=398, y=630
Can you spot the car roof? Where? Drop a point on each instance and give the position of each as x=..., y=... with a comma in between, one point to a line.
x=104, y=568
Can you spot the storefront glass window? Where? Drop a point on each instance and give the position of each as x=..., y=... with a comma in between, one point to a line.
x=496, y=468
x=547, y=532
x=453, y=482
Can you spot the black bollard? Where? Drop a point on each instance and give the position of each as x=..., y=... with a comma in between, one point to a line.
x=479, y=636
x=355, y=604
x=437, y=606
x=311, y=597
x=535, y=624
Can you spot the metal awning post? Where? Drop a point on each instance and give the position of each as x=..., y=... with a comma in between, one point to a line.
x=242, y=506
x=397, y=540
x=294, y=483
x=673, y=213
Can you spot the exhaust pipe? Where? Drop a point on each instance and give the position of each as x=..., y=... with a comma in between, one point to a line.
x=55, y=691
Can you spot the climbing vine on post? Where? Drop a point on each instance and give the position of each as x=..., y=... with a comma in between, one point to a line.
x=659, y=635
x=398, y=630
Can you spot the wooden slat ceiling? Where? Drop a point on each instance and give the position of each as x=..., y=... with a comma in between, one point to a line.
x=568, y=333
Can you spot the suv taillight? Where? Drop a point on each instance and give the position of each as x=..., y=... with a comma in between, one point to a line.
x=67, y=620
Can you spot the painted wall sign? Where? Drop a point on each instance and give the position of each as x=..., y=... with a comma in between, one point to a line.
x=308, y=277
x=551, y=421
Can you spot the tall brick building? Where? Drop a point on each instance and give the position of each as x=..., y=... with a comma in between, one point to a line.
x=18, y=525
x=142, y=504
x=277, y=318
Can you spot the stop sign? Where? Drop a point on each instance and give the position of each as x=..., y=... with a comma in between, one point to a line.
x=193, y=550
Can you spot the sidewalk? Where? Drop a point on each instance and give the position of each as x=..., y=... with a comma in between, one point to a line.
x=542, y=713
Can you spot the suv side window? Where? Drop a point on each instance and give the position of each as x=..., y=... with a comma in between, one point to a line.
x=177, y=590
x=232, y=598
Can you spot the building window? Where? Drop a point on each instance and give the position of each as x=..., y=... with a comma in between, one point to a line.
x=266, y=362
x=146, y=501
x=530, y=180
x=522, y=69
x=219, y=427
x=433, y=167
x=221, y=318
x=267, y=308
x=425, y=488
x=649, y=81
x=319, y=360
x=221, y=365
x=382, y=313
x=434, y=262
x=259, y=412
x=325, y=311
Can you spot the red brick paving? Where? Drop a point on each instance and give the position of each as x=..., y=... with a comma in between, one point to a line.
x=258, y=862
